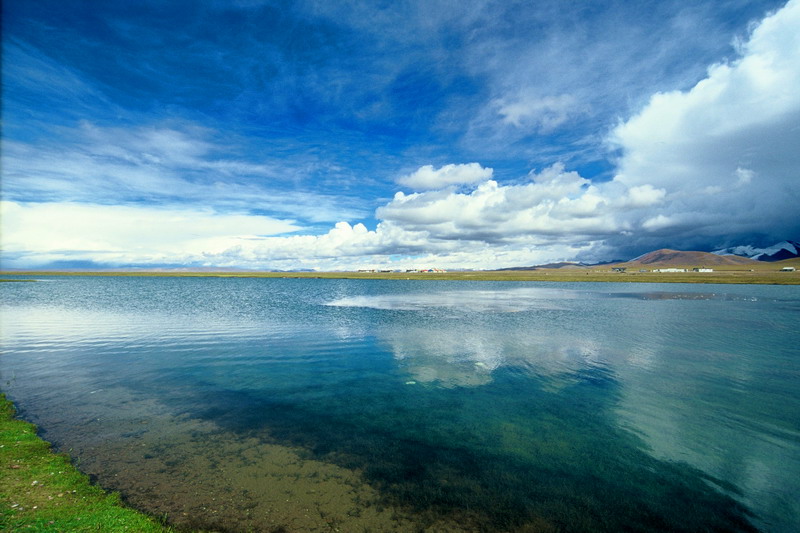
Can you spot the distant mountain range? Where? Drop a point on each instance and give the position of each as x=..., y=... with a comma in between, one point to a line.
x=736, y=255
x=666, y=257
x=777, y=252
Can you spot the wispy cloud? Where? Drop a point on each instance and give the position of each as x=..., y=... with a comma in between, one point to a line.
x=572, y=75
x=286, y=132
x=545, y=114
x=163, y=166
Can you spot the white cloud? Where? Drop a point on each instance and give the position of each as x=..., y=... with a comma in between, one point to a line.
x=555, y=202
x=645, y=196
x=159, y=164
x=744, y=176
x=555, y=70
x=715, y=161
x=545, y=114
x=427, y=177
x=38, y=233
x=728, y=147
x=659, y=222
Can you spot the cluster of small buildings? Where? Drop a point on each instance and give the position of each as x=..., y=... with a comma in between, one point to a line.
x=697, y=269
x=410, y=270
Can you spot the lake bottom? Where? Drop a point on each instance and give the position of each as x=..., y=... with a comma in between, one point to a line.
x=334, y=405
x=416, y=466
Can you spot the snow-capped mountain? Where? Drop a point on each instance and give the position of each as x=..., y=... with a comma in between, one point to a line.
x=776, y=252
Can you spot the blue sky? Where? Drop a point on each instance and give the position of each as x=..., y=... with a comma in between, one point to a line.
x=342, y=135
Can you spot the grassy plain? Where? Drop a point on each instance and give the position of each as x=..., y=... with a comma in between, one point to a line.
x=769, y=273
x=42, y=491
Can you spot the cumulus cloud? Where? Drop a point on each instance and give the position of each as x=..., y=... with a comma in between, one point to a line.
x=717, y=162
x=644, y=196
x=706, y=166
x=726, y=148
x=392, y=246
x=553, y=202
x=427, y=177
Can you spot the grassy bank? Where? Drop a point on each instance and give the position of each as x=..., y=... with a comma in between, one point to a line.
x=763, y=275
x=43, y=491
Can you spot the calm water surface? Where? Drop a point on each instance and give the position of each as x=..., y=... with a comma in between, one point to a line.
x=368, y=405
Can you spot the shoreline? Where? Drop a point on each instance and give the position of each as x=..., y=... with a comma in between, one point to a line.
x=43, y=490
x=757, y=277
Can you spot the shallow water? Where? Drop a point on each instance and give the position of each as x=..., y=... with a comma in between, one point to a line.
x=369, y=405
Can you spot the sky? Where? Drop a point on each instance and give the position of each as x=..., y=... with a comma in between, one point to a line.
x=342, y=135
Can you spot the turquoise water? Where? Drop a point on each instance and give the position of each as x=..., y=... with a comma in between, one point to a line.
x=369, y=405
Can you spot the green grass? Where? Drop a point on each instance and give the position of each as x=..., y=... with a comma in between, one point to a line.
x=42, y=491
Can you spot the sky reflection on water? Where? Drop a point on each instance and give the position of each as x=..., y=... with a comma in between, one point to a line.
x=496, y=405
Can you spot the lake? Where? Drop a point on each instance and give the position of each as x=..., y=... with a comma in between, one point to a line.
x=250, y=404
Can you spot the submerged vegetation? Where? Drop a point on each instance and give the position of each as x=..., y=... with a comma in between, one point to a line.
x=544, y=461
x=271, y=410
x=43, y=491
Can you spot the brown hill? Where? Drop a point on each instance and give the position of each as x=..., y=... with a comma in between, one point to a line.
x=549, y=266
x=563, y=264
x=666, y=257
x=795, y=262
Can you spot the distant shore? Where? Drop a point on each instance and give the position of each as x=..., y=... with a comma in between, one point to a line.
x=763, y=275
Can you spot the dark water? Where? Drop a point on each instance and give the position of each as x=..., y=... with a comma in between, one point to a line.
x=342, y=405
